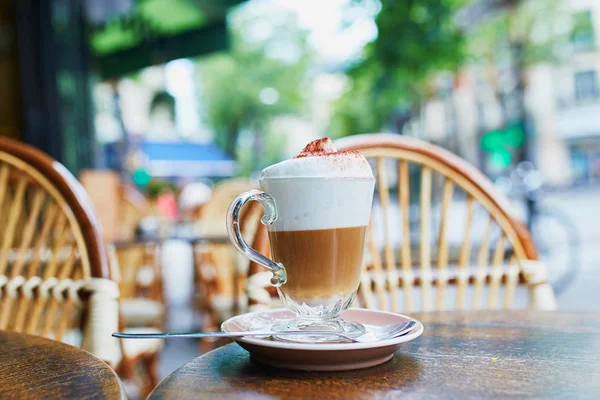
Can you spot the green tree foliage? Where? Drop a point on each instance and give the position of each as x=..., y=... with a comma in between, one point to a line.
x=261, y=76
x=539, y=27
x=415, y=38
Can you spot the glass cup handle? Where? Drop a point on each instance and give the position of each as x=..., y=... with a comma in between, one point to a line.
x=235, y=234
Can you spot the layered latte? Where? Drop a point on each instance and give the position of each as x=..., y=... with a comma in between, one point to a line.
x=323, y=199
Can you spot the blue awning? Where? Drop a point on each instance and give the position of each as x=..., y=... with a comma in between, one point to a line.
x=183, y=159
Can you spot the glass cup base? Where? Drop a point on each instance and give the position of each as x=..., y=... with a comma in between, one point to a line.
x=348, y=328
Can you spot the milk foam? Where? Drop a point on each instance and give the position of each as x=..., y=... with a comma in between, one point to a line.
x=320, y=159
x=336, y=190
x=318, y=203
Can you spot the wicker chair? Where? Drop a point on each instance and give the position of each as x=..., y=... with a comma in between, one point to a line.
x=479, y=268
x=133, y=208
x=55, y=275
x=142, y=299
x=142, y=303
x=220, y=272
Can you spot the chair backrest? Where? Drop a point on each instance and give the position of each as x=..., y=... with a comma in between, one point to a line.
x=218, y=266
x=133, y=208
x=139, y=261
x=212, y=216
x=437, y=221
x=53, y=260
x=463, y=225
x=221, y=272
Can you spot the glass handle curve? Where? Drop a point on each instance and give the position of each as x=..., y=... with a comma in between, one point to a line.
x=235, y=234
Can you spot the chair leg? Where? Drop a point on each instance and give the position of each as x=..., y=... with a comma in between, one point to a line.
x=204, y=346
x=151, y=364
x=208, y=325
x=125, y=369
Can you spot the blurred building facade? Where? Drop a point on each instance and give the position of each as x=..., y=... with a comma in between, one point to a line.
x=561, y=97
x=577, y=94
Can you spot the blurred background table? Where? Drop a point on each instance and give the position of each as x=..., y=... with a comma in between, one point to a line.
x=34, y=368
x=460, y=355
x=191, y=239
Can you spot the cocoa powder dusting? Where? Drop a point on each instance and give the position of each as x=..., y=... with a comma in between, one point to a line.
x=317, y=147
x=325, y=147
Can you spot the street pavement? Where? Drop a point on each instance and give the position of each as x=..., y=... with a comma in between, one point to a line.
x=582, y=207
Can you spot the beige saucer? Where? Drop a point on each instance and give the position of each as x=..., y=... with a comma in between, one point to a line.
x=319, y=356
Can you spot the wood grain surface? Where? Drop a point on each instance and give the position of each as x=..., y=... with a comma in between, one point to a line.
x=32, y=367
x=461, y=355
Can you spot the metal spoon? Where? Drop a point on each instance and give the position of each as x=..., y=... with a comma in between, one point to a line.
x=382, y=333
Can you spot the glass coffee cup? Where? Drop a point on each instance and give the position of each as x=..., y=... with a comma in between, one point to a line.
x=317, y=228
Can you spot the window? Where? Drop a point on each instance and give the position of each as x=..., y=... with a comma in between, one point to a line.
x=582, y=35
x=586, y=85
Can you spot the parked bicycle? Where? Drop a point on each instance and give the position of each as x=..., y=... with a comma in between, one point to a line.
x=555, y=235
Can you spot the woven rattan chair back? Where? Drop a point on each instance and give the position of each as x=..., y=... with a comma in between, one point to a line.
x=441, y=236
x=53, y=261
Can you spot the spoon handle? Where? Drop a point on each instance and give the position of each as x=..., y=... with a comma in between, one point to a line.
x=167, y=335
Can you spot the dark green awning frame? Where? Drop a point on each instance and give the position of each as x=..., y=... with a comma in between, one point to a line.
x=151, y=52
x=146, y=36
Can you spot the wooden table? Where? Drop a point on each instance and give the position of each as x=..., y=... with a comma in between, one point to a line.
x=460, y=355
x=32, y=367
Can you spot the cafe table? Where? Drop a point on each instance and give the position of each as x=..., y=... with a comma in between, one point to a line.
x=461, y=355
x=32, y=367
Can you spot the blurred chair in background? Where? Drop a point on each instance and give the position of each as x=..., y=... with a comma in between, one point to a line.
x=103, y=188
x=217, y=266
x=141, y=305
x=504, y=255
x=211, y=221
x=142, y=302
x=192, y=199
x=142, y=309
x=132, y=208
x=142, y=298
x=57, y=278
